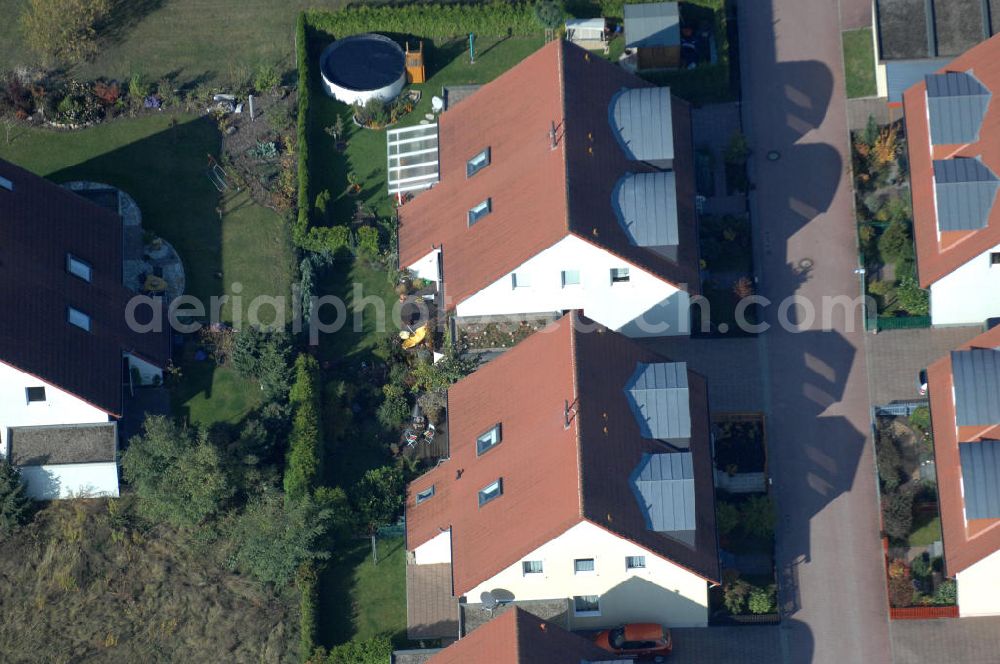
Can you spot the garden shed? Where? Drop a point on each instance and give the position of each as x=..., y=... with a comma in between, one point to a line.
x=654, y=31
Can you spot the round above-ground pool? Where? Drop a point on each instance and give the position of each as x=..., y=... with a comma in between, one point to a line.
x=362, y=67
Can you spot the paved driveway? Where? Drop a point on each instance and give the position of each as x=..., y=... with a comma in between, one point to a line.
x=816, y=388
x=962, y=641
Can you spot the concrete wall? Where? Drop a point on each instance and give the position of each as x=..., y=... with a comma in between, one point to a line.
x=437, y=550
x=662, y=592
x=969, y=295
x=881, y=80
x=979, y=588
x=72, y=480
x=644, y=306
x=59, y=407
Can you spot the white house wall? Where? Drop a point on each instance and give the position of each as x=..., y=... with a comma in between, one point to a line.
x=979, y=588
x=149, y=373
x=434, y=551
x=643, y=306
x=71, y=480
x=59, y=407
x=662, y=592
x=427, y=267
x=969, y=295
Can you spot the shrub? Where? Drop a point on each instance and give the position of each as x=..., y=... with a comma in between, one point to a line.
x=265, y=77
x=63, y=30
x=946, y=593
x=921, y=567
x=920, y=419
x=378, y=499
x=549, y=14
x=912, y=298
x=273, y=537
x=305, y=448
x=757, y=515
x=727, y=517
x=734, y=596
x=495, y=19
x=15, y=506
x=897, y=513
x=375, y=650
x=395, y=407
x=901, y=590
x=264, y=356
x=737, y=150
x=322, y=201
x=887, y=460
x=178, y=475
x=762, y=600
x=307, y=582
x=896, y=242
x=368, y=241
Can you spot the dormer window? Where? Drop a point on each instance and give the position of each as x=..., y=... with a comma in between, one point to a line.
x=79, y=268
x=491, y=491
x=488, y=440
x=480, y=211
x=477, y=163
x=78, y=318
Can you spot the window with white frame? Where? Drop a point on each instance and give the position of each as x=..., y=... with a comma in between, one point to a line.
x=491, y=491
x=480, y=211
x=531, y=567
x=619, y=275
x=79, y=267
x=586, y=605
x=520, y=279
x=35, y=394
x=570, y=278
x=635, y=562
x=78, y=318
x=477, y=163
x=488, y=439
x=583, y=565
x=425, y=495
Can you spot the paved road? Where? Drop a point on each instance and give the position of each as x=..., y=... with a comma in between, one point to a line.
x=816, y=389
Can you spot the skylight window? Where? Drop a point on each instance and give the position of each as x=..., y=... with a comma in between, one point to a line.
x=6, y=184
x=490, y=492
x=78, y=318
x=79, y=268
x=488, y=440
x=477, y=163
x=425, y=495
x=480, y=211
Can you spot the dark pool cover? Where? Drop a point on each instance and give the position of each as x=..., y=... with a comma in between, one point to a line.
x=362, y=62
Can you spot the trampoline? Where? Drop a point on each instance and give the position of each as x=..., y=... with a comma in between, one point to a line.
x=362, y=67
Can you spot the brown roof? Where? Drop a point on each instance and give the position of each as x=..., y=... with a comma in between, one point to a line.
x=939, y=256
x=40, y=222
x=577, y=473
x=539, y=194
x=518, y=637
x=964, y=543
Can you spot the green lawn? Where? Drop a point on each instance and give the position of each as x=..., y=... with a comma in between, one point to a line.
x=359, y=599
x=927, y=531
x=162, y=166
x=188, y=39
x=859, y=62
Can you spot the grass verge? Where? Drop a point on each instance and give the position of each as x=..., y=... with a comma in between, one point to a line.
x=859, y=63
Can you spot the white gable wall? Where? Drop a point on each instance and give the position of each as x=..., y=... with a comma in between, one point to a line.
x=434, y=551
x=969, y=295
x=662, y=592
x=979, y=588
x=71, y=480
x=59, y=407
x=662, y=307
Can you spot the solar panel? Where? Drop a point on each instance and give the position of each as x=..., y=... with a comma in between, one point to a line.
x=965, y=190
x=956, y=104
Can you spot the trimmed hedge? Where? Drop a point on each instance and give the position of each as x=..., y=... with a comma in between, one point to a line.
x=305, y=452
x=430, y=21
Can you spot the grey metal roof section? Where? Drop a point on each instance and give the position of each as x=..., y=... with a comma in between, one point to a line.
x=643, y=122
x=664, y=486
x=51, y=445
x=976, y=375
x=646, y=206
x=652, y=24
x=964, y=192
x=901, y=75
x=659, y=398
x=956, y=103
x=981, y=478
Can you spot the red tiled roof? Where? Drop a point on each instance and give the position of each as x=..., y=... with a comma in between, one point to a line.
x=579, y=473
x=518, y=637
x=539, y=194
x=937, y=257
x=40, y=222
x=964, y=543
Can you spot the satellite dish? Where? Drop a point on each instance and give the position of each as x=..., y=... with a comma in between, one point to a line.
x=437, y=104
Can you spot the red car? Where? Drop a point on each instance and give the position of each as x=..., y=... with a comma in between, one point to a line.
x=639, y=639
